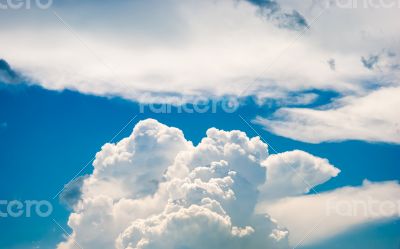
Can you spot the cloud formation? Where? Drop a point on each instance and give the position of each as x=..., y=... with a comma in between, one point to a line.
x=175, y=51
x=328, y=214
x=208, y=48
x=155, y=189
x=370, y=117
x=294, y=173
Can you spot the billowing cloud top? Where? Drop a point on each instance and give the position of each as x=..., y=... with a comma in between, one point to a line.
x=155, y=189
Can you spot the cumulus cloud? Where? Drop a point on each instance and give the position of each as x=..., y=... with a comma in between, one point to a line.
x=328, y=214
x=155, y=189
x=210, y=48
x=295, y=173
x=370, y=117
x=119, y=167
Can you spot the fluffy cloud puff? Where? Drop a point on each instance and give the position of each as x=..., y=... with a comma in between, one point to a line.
x=155, y=189
x=295, y=173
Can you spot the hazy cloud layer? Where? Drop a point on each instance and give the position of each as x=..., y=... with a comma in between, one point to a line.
x=174, y=51
x=208, y=48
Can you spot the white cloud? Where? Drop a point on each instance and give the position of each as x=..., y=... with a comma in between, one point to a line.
x=312, y=218
x=175, y=50
x=195, y=47
x=294, y=173
x=372, y=118
x=113, y=174
x=195, y=227
x=155, y=189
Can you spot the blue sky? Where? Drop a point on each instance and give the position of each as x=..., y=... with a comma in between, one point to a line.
x=81, y=81
x=50, y=135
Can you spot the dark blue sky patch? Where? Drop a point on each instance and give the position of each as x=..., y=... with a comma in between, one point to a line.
x=267, y=5
x=72, y=192
x=6, y=73
x=370, y=61
x=287, y=20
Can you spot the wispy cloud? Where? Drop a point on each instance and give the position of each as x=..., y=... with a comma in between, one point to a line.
x=339, y=211
x=370, y=118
